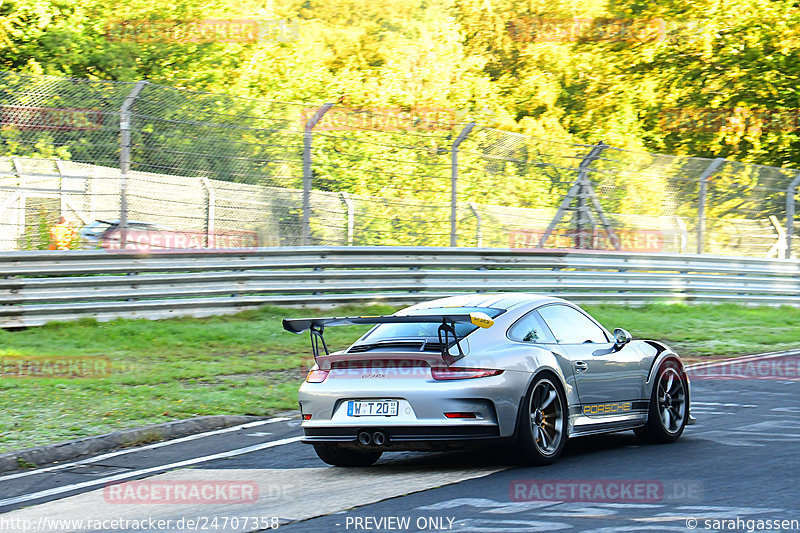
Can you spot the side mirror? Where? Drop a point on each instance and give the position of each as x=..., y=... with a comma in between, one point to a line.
x=621, y=338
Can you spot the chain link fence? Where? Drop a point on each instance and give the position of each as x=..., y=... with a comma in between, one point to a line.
x=143, y=166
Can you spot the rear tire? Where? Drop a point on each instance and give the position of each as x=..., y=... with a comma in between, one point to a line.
x=543, y=422
x=336, y=456
x=669, y=406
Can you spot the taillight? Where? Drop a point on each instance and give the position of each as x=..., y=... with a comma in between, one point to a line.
x=460, y=415
x=462, y=373
x=316, y=375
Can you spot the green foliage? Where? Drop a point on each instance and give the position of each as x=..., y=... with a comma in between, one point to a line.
x=37, y=237
x=24, y=465
x=733, y=64
x=463, y=54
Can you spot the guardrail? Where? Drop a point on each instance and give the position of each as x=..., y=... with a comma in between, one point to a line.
x=38, y=287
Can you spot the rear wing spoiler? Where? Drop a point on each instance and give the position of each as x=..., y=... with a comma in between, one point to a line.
x=316, y=327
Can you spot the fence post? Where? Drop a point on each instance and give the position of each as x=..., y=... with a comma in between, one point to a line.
x=684, y=238
x=701, y=206
x=21, y=228
x=351, y=217
x=307, y=137
x=454, y=180
x=125, y=158
x=791, y=191
x=211, y=214
x=61, y=196
x=478, y=225
x=582, y=189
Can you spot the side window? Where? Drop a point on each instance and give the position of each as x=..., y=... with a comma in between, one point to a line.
x=570, y=326
x=531, y=328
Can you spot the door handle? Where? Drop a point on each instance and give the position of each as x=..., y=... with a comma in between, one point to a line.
x=580, y=366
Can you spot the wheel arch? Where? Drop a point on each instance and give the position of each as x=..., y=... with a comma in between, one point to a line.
x=560, y=382
x=660, y=359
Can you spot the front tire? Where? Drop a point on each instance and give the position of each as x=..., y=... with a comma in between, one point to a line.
x=336, y=456
x=543, y=422
x=669, y=406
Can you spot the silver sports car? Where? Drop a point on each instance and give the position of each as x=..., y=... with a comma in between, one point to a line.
x=524, y=369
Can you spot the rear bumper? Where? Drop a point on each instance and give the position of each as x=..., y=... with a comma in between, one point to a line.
x=402, y=433
x=422, y=404
x=405, y=437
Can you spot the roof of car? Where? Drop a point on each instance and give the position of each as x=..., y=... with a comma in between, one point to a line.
x=507, y=301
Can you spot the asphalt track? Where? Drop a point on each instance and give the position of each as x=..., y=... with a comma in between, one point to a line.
x=736, y=470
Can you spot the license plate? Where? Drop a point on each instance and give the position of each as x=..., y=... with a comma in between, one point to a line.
x=371, y=408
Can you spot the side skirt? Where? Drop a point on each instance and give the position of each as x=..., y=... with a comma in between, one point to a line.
x=583, y=425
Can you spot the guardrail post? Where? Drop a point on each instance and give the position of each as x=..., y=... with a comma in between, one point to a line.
x=307, y=138
x=701, y=205
x=791, y=191
x=454, y=180
x=351, y=217
x=125, y=158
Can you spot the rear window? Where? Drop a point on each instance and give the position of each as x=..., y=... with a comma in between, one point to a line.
x=428, y=330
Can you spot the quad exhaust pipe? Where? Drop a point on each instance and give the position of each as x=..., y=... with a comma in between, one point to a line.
x=377, y=438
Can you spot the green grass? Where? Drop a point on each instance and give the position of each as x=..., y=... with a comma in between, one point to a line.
x=161, y=371
x=708, y=330
x=247, y=364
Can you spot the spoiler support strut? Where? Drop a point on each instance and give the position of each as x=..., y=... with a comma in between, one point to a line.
x=447, y=328
x=316, y=339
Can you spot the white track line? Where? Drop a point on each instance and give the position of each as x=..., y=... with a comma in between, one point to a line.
x=143, y=448
x=145, y=471
x=744, y=358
